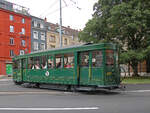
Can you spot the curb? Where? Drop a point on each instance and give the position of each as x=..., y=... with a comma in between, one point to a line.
x=3, y=76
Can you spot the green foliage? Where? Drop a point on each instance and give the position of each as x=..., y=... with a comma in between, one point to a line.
x=126, y=22
x=131, y=55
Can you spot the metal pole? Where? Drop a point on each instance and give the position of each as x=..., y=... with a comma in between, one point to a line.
x=60, y=25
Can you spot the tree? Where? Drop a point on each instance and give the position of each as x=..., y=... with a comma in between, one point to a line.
x=125, y=22
x=130, y=23
x=96, y=29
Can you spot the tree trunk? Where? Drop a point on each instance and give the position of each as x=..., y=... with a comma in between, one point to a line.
x=134, y=65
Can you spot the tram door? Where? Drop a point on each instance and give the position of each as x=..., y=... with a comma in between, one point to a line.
x=20, y=70
x=83, y=68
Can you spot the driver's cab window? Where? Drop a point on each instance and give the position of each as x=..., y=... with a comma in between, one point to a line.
x=109, y=57
x=97, y=58
x=84, y=59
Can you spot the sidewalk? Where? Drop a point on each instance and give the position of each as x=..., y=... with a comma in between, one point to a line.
x=4, y=77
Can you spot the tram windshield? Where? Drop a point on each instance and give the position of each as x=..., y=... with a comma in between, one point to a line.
x=109, y=57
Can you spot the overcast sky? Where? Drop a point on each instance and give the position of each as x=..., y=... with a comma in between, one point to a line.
x=75, y=13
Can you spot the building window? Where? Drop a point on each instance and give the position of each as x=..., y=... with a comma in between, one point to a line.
x=23, y=31
x=21, y=52
x=52, y=46
x=23, y=20
x=42, y=46
x=38, y=25
x=35, y=45
x=72, y=37
x=11, y=28
x=11, y=17
x=34, y=23
x=35, y=35
x=49, y=28
x=23, y=43
x=65, y=42
x=11, y=41
x=52, y=38
x=42, y=36
x=42, y=26
x=11, y=53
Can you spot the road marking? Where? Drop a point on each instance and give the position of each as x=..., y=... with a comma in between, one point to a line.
x=48, y=109
x=133, y=91
x=136, y=91
x=23, y=92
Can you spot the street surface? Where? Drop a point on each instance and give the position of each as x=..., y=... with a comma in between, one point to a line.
x=18, y=99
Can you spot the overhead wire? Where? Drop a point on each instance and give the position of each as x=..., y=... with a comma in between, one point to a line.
x=58, y=8
x=53, y=4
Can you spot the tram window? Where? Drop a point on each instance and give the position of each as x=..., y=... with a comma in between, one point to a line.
x=59, y=61
x=84, y=60
x=43, y=62
x=68, y=61
x=37, y=63
x=50, y=62
x=30, y=63
x=19, y=64
x=109, y=57
x=15, y=64
x=24, y=63
x=97, y=58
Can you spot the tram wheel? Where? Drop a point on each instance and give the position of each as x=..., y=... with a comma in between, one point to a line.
x=17, y=83
x=68, y=88
x=37, y=85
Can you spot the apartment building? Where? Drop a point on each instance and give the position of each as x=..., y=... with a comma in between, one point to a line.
x=15, y=33
x=38, y=34
x=69, y=36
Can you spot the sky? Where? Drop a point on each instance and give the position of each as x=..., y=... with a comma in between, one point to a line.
x=75, y=13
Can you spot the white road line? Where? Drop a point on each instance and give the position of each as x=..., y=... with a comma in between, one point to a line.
x=136, y=91
x=48, y=109
x=133, y=91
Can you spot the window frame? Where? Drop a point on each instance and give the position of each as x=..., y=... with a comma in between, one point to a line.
x=11, y=17
x=12, y=42
x=35, y=45
x=23, y=20
x=11, y=28
x=11, y=53
x=23, y=31
x=35, y=35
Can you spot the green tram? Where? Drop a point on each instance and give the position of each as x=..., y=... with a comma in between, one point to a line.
x=94, y=66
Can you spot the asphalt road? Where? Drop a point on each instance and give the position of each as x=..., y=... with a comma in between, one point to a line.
x=18, y=99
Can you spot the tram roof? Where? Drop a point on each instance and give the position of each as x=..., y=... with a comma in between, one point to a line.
x=81, y=47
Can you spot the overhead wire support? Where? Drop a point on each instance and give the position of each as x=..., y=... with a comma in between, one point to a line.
x=60, y=25
x=75, y=3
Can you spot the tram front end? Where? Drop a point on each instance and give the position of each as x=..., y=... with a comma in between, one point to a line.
x=112, y=73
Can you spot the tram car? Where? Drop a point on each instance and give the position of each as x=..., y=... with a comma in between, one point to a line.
x=94, y=66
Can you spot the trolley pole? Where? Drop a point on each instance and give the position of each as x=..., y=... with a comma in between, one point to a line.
x=60, y=26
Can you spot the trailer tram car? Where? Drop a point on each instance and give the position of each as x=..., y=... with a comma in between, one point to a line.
x=93, y=66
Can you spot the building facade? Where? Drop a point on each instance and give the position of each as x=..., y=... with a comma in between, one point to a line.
x=15, y=33
x=69, y=36
x=38, y=34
